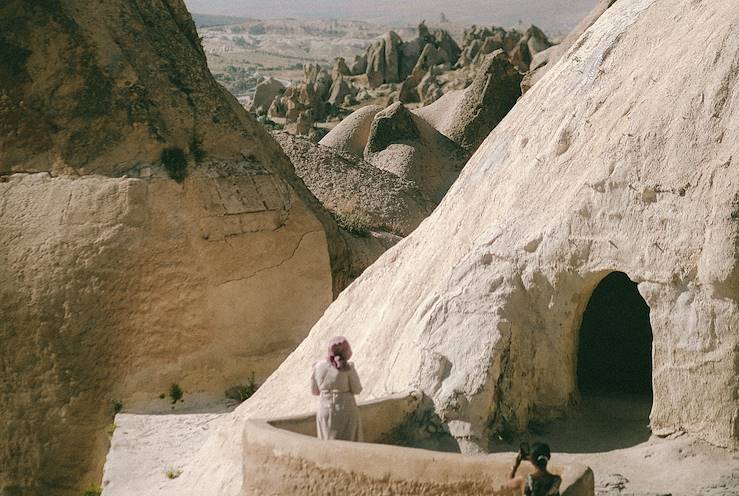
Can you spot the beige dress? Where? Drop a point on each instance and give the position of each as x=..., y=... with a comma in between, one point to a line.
x=338, y=415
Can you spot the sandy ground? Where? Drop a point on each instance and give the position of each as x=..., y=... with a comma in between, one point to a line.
x=609, y=435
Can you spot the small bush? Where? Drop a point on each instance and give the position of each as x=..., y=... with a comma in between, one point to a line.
x=243, y=392
x=117, y=406
x=175, y=393
x=111, y=430
x=93, y=490
x=353, y=225
x=173, y=474
x=174, y=161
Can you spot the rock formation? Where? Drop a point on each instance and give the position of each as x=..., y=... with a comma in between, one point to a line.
x=545, y=59
x=407, y=146
x=429, y=145
x=520, y=47
x=361, y=196
x=621, y=159
x=340, y=68
x=340, y=90
x=264, y=95
x=147, y=226
x=391, y=60
x=467, y=116
x=352, y=133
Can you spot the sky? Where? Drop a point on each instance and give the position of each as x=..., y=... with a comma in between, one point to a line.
x=547, y=14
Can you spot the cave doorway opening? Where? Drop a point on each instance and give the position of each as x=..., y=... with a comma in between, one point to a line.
x=614, y=372
x=615, y=351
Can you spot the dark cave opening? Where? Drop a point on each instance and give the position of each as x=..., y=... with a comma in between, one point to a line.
x=615, y=350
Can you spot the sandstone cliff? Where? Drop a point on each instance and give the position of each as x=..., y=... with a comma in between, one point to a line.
x=148, y=237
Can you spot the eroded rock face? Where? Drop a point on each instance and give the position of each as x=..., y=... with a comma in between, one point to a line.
x=103, y=115
x=118, y=284
x=621, y=159
x=544, y=60
x=364, y=196
x=407, y=146
x=467, y=119
x=351, y=134
x=265, y=93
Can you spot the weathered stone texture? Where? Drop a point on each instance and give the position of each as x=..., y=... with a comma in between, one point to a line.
x=117, y=284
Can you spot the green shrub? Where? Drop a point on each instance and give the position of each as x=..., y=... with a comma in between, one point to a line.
x=175, y=393
x=173, y=474
x=243, y=392
x=117, y=407
x=93, y=490
x=353, y=224
x=174, y=161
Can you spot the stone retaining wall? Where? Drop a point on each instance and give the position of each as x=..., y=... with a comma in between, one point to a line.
x=282, y=457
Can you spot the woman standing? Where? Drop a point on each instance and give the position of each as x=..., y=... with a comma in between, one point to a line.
x=336, y=381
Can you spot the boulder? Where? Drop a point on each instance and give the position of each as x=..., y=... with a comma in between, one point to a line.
x=277, y=109
x=359, y=66
x=429, y=89
x=310, y=71
x=322, y=85
x=300, y=97
x=265, y=93
x=340, y=68
x=536, y=40
x=469, y=53
x=354, y=191
x=521, y=56
x=340, y=89
x=304, y=123
x=444, y=41
x=376, y=65
x=392, y=44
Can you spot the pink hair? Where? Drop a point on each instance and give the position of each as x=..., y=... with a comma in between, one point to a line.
x=339, y=353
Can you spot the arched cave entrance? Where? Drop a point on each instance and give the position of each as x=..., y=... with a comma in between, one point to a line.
x=615, y=352
x=614, y=372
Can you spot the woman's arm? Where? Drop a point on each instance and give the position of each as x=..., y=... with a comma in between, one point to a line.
x=313, y=384
x=354, y=385
x=515, y=482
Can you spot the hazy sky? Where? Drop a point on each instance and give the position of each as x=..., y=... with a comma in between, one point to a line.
x=548, y=14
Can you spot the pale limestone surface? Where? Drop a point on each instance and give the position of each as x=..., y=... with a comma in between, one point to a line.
x=621, y=158
x=544, y=60
x=138, y=450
